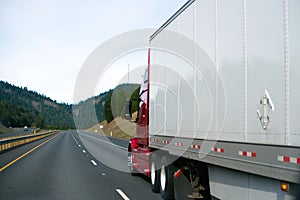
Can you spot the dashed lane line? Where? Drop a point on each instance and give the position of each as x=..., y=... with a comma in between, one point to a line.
x=122, y=194
x=74, y=138
x=93, y=162
x=84, y=151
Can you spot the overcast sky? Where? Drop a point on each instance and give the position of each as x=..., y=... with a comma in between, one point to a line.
x=43, y=43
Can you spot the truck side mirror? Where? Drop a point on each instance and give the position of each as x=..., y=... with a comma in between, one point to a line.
x=128, y=114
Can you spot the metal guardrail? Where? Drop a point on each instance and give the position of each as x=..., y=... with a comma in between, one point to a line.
x=6, y=144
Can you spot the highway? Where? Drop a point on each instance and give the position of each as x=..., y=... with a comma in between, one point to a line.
x=71, y=165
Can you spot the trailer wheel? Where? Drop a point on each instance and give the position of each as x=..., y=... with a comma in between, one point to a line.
x=154, y=172
x=167, y=178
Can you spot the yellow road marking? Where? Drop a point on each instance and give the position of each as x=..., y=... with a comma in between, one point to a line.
x=25, y=154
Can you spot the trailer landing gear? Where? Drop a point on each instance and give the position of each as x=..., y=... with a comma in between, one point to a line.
x=197, y=189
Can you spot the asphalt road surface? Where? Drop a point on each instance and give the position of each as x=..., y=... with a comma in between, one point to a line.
x=71, y=165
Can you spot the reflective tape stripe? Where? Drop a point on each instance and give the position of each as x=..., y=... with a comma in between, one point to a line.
x=288, y=159
x=179, y=144
x=165, y=142
x=247, y=154
x=194, y=146
x=218, y=150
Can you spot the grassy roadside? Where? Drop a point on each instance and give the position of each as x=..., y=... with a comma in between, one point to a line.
x=3, y=129
x=118, y=128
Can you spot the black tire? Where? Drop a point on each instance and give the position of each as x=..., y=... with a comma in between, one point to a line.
x=132, y=170
x=167, y=178
x=154, y=164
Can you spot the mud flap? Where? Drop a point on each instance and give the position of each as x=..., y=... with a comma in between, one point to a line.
x=182, y=187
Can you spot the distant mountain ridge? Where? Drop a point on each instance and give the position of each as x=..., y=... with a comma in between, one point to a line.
x=21, y=107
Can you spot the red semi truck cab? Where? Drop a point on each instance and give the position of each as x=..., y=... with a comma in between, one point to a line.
x=138, y=148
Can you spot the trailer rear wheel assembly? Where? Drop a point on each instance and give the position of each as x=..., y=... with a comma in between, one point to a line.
x=167, y=178
x=155, y=172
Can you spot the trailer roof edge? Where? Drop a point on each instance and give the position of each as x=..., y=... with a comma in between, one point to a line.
x=174, y=16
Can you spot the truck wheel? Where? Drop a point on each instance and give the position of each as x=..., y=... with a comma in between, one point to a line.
x=132, y=170
x=154, y=172
x=166, y=178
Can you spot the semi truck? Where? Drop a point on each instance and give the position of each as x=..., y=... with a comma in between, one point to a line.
x=219, y=108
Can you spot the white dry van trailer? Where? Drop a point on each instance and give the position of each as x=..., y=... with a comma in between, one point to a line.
x=219, y=115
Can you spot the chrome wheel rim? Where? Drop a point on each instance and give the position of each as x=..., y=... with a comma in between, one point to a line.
x=163, y=178
x=152, y=173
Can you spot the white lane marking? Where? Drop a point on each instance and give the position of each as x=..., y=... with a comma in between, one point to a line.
x=83, y=151
x=110, y=143
x=93, y=162
x=122, y=194
x=74, y=138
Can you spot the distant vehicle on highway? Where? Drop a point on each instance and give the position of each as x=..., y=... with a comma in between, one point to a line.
x=25, y=128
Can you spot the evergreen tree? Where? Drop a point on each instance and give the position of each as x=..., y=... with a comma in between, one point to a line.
x=107, y=109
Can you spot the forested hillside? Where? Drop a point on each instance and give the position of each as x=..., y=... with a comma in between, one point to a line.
x=106, y=106
x=20, y=107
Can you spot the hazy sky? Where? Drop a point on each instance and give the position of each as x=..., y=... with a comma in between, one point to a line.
x=43, y=43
